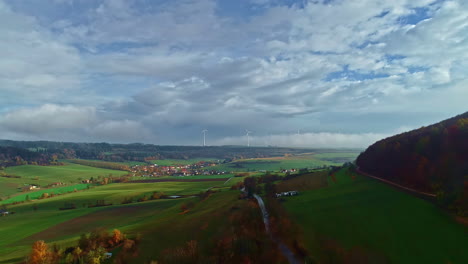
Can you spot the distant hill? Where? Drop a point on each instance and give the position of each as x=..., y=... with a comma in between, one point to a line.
x=18, y=152
x=430, y=159
x=11, y=156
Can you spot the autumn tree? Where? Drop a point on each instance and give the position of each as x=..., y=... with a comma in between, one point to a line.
x=40, y=253
x=95, y=256
x=117, y=237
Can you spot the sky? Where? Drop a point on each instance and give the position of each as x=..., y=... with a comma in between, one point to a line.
x=321, y=73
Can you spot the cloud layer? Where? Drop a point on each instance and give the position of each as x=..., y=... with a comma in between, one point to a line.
x=344, y=72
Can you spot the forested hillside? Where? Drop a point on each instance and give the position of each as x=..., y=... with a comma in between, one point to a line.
x=430, y=159
x=11, y=156
x=46, y=152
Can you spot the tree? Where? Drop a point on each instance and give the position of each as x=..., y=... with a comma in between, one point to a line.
x=83, y=243
x=69, y=258
x=39, y=254
x=117, y=236
x=95, y=256
x=270, y=189
x=55, y=254
x=77, y=252
x=250, y=184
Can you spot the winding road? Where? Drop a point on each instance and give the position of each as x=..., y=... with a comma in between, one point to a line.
x=266, y=220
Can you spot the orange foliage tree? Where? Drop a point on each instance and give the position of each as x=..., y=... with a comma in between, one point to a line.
x=39, y=254
x=117, y=237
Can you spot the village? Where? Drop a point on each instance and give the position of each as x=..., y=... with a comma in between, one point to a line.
x=154, y=170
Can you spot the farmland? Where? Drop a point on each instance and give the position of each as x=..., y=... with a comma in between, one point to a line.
x=220, y=176
x=347, y=216
x=174, y=162
x=47, y=222
x=45, y=175
x=358, y=215
x=50, y=191
x=288, y=162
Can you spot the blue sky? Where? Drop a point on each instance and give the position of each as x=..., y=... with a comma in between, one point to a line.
x=344, y=73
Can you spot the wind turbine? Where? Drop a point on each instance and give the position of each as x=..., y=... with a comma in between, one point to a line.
x=248, y=137
x=204, y=136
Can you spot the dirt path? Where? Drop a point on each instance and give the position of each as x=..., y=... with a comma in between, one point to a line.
x=227, y=181
x=396, y=184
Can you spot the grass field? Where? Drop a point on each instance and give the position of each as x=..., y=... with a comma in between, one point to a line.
x=44, y=175
x=173, y=162
x=363, y=215
x=133, y=163
x=338, y=157
x=37, y=194
x=20, y=230
x=227, y=175
x=128, y=163
x=278, y=163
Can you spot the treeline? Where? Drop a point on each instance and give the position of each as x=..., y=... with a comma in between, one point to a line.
x=101, y=164
x=144, y=152
x=93, y=248
x=13, y=156
x=430, y=159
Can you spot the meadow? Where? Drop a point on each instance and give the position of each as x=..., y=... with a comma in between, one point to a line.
x=174, y=162
x=196, y=177
x=358, y=215
x=47, y=222
x=337, y=157
x=45, y=175
x=50, y=191
x=289, y=162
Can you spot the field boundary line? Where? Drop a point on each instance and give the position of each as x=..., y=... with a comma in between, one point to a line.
x=395, y=184
x=227, y=181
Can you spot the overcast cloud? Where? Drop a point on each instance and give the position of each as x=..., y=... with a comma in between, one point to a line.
x=343, y=73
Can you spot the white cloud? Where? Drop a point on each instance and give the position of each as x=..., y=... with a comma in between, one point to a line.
x=34, y=64
x=181, y=65
x=71, y=123
x=49, y=118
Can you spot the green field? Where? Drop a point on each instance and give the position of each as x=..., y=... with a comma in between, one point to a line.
x=338, y=157
x=133, y=163
x=196, y=177
x=21, y=229
x=363, y=215
x=173, y=162
x=273, y=164
x=128, y=163
x=44, y=175
x=37, y=194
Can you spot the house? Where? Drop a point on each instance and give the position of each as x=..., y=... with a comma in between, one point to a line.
x=30, y=187
x=4, y=212
x=290, y=193
x=107, y=255
x=55, y=184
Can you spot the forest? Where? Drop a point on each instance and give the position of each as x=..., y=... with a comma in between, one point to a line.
x=430, y=159
x=48, y=152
